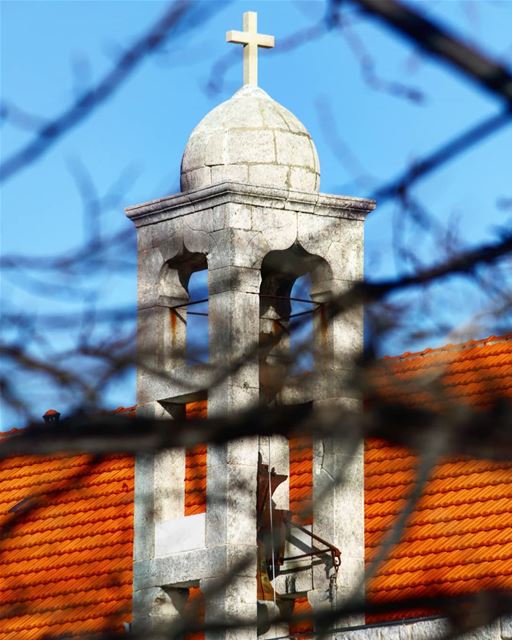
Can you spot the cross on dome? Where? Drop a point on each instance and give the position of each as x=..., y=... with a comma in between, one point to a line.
x=251, y=40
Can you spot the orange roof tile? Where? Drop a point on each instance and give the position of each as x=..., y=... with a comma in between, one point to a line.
x=195, y=465
x=477, y=373
x=459, y=537
x=67, y=521
x=301, y=479
x=66, y=548
x=67, y=539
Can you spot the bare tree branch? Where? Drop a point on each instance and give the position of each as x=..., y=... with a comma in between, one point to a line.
x=181, y=15
x=437, y=40
x=443, y=154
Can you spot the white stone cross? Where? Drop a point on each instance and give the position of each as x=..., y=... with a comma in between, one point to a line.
x=251, y=40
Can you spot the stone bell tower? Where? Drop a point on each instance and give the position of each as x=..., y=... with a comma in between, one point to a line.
x=251, y=215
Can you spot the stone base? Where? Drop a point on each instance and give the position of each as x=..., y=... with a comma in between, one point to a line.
x=431, y=629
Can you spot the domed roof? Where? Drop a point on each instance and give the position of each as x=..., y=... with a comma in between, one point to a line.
x=250, y=138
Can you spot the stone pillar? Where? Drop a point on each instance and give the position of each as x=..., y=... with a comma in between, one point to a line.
x=338, y=482
x=232, y=468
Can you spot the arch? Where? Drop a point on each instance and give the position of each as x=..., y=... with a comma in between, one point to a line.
x=175, y=273
x=281, y=270
x=176, y=294
x=197, y=318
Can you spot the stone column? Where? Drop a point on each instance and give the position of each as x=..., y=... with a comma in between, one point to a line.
x=338, y=462
x=231, y=510
x=151, y=606
x=161, y=331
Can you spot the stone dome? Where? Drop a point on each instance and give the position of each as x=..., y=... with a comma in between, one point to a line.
x=250, y=138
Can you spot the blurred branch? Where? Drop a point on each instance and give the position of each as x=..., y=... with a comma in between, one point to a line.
x=37, y=501
x=449, y=428
x=442, y=155
x=11, y=113
x=182, y=14
x=465, y=263
x=369, y=73
x=438, y=41
x=484, y=434
x=85, y=256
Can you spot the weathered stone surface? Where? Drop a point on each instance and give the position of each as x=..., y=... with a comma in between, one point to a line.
x=196, y=178
x=303, y=179
x=491, y=632
x=506, y=628
x=155, y=607
x=249, y=129
x=427, y=629
x=294, y=149
x=267, y=630
x=236, y=600
x=361, y=634
x=226, y=278
x=171, y=208
x=169, y=479
x=180, y=568
x=431, y=629
x=231, y=172
x=196, y=241
x=268, y=175
x=238, y=248
x=180, y=534
x=239, y=216
x=277, y=118
x=248, y=146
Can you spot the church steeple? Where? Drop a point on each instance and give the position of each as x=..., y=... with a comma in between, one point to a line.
x=250, y=214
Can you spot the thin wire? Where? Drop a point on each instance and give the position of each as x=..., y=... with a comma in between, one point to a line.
x=293, y=299
x=189, y=303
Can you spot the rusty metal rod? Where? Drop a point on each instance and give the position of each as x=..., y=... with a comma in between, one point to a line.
x=188, y=304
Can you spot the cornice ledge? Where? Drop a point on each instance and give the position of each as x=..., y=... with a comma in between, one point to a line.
x=181, y=204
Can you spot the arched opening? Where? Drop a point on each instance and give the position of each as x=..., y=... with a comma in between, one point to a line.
x=183, y=289
x=302, y=332
x=294, y=338
x=197, y=318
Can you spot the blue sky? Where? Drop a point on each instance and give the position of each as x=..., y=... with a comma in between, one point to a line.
x=50, y=51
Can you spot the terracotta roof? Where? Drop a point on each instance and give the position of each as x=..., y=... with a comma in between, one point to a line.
x=476, y=373
x=301, y=479
x=67, y=521
x=459, y=538
x=66, y=550
x=66, y=545
x=195, y=465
